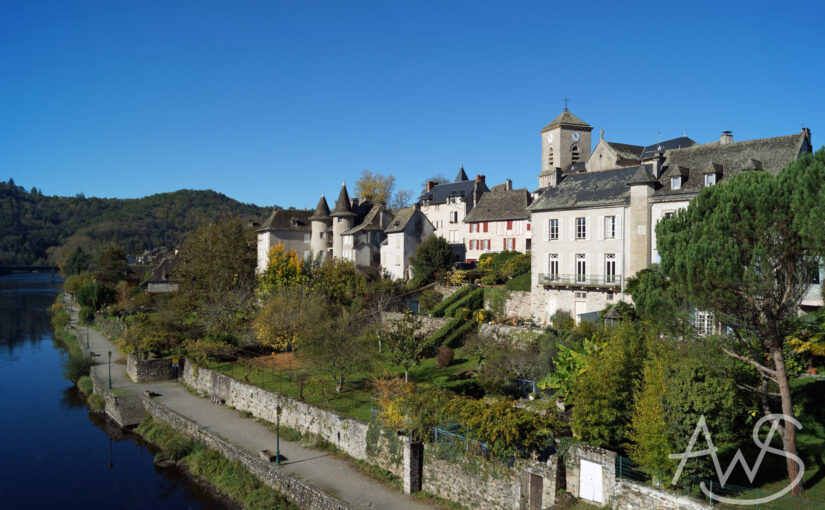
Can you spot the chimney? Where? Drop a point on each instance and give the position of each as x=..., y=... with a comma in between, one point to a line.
x=353, y=202
x=658, y=164
x=807, y=133
x=430, y=185
x=480, y=178
x=727, y=137
x=555, y=177
x=508, y=184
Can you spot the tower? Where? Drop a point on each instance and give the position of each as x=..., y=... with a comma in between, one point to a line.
x=320, y=222
x=564, y=142
x=342, y=220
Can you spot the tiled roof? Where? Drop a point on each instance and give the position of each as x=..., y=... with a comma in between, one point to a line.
x=501, y=205
x=643, y=175
x=682, y=142
x=321, y=210
x=295, y=220
x=567, y=119
x=588, y=189
x=727, y=160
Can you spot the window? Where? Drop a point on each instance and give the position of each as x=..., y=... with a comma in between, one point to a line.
x=528, y=226
x=609, y=296
x=306, y=238
x=509, y=243
x=307, y=255
x=581, y=268
x=710, y=179
x=705, y=323
x=338, y=219
x=581, y=228
x=550, y=156
x=610, y=227
x=453, y=236
x=675, y=183
x=610, y=268
x=553, y=266
x=509, y=224
x=575, y=155
x=580, y=295
x=527, y=244
x=554, y=230
x=669, y=215
x=453, y=216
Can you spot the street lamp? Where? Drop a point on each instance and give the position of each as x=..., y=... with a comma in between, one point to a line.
x=110, y=370
x=278, y=435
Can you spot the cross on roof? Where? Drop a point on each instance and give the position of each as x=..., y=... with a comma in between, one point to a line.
x=565, y=103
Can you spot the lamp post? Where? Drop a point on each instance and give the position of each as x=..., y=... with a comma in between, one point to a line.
x=87, y=337
x=110, y=370
x=278, y=435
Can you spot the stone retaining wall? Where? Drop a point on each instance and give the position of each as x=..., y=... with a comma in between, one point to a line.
x=297, y=491
x=428, y=324
x=124, y=407
x=505, y=333
x=151, y=370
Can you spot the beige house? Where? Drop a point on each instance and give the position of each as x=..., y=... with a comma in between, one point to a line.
x=500, y=221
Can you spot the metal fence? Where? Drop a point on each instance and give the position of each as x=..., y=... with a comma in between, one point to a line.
x=449, y=443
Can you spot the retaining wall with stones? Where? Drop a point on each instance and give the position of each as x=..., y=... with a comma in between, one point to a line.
x=123, y=406
x=428, y=324
x=150, y=370
x=505, y=333
x=297, y=491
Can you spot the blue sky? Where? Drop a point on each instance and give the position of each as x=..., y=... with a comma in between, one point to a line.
x=276, y=102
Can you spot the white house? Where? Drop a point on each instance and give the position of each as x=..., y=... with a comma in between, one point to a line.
x=500, y=221
x=408, y=229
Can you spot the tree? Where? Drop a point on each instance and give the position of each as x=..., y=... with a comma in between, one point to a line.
x=374, y=187
x=437, y=179
x=738, y=251
x=95, y=295
x=284, y=268
x=341, y=282
x=431, y=256
x=288, y=315
x=111, y=266
x=401, y=199
x=339, y=347
x=656, y=300
x=77, y=262
x=405, y=341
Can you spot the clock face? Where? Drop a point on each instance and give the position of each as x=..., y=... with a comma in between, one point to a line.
x=575, y=137
x=550, y=138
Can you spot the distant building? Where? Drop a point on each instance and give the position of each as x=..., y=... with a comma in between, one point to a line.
x=500, y=221
x=407, y=230
x=289, y=227
x=162, y=278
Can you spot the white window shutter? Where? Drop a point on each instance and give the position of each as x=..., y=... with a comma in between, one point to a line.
x=600, y=270
x=588, y=225
x=600, y=226
x=572, y=228
x=547, y=229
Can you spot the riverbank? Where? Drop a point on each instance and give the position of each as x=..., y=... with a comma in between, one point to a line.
x=303, y=470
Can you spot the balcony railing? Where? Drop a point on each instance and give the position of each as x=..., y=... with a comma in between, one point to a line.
x=580, y=280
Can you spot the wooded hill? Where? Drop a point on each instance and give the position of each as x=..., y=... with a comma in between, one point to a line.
x=38, y=229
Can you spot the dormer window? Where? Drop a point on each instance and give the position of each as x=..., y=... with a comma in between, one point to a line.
x=710, y=179
x=676, y=183
x=575, y=154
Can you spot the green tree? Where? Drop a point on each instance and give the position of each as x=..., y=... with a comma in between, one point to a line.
x=341, y=282
x=738, y=251
x=405, y=341
x=95, y=295
x=111, y=266
x=340, y=347
x=656, y=300
x=431, y=256
x=77, y=262
x=288, y=315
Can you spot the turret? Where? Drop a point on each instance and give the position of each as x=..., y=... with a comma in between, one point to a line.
x=320, y=222
x=342, y=220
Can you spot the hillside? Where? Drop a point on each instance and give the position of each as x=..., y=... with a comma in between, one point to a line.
x=36, y=229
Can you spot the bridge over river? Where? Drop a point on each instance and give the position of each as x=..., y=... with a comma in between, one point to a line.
x=4, y=270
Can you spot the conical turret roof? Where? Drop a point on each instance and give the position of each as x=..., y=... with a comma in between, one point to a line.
x=342, y=205
x=462, y=176
x=321, y=210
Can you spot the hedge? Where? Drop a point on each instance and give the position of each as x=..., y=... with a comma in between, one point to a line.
x=437, y=339
x=474, y=300
x=520, y=282
x=454, y=341
x=438, y=311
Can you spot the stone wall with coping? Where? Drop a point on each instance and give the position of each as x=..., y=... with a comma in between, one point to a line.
x=504, y=333
x=151, y=370
x=295, y=490
x=124, y=406
x=472, y=487
x=428, y=324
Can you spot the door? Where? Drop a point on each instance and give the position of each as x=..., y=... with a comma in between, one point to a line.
x=536, y=488
x=590, y=481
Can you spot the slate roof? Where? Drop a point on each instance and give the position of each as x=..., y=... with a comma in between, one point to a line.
x=163, y=272
x=400, y=220
x=567, y=119
x=438, y=194
x=674, y=143
x=626, y=150
x=342, y=205
x=462, y=176
x=321, y=210
x=372, y=221
x=768, y=154
x=643, y=175
x=588, y=189
x=294, y=220
x=501, y=205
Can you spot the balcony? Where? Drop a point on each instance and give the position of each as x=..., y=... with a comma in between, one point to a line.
x=581, y=281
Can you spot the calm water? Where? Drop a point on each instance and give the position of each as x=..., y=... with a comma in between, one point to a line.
x=53, y=453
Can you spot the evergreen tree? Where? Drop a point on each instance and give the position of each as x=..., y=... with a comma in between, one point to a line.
x=431, y=256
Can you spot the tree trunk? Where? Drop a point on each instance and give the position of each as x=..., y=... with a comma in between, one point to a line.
x=406, y=375
x=339, y=384
x=789, y=434
x=763, y=395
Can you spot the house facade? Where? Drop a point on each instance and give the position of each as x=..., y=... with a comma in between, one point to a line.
x=500, y=221
x=289, y=227
x=362, y=243
x=408, y=229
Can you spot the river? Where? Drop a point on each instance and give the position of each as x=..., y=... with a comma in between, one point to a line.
x=53, y=452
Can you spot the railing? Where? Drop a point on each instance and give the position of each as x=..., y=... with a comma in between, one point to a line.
x=580, y=280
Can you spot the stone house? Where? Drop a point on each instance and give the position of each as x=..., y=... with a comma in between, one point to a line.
x=446, y=205
x=500, y=221
x=408, y=229
x=162, y=278
x=291, y=228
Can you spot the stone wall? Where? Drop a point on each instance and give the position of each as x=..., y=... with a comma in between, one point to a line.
x=297, y=491
x=428, y=324
x=505, y=333
x=151, y=369
x=122, y=406
x=479, y=490
x=446, y=291
x=518, y=304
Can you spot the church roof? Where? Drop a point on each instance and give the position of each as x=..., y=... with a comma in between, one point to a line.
x=625, y=150
x=586, y=190
x=342, y=205
x=295, y=220
x=321, y=210
x=567, y=119
x=500, y=205
x=728, y=159
x=461, y=175
x=682, y=142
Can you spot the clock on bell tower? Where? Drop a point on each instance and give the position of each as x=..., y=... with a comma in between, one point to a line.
x=564, y=141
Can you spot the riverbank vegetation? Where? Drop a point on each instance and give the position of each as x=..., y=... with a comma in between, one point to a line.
x=228, y=477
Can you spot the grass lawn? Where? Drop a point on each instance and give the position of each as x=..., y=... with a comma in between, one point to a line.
x=355, y=398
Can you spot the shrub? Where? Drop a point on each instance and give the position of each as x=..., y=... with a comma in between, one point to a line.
x=520, y=282
x=84, y=384
x=455, y=339
x=474, y=300
x=562, y=319
x=76, y=365
x=86, y=315
x=95, y=295
x=444, y=357
x=438, y=310
x=429, y=299
x=96, y=402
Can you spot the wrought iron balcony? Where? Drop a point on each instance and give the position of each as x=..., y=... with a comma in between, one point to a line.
x=580, y=280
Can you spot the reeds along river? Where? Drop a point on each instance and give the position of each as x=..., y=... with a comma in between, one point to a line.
x=53, y=452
